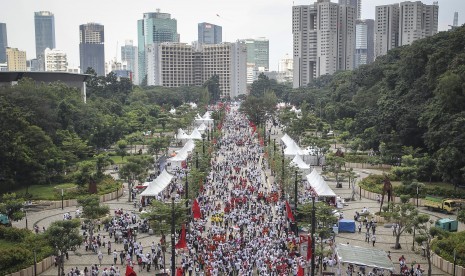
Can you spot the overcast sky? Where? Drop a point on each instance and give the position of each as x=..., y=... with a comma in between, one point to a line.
x=239, y=19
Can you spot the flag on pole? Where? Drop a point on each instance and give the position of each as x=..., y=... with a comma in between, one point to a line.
x=309, y=249
x=300, y=272
x=179, y=271
x=130, y=271
x=196, y=210
x=182, y=241
x=290, y=216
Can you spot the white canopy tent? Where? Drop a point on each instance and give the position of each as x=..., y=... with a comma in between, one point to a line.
x=294, y=149
x=202, y=128
x=172, y=111
x=190, y=145
x=193, y=105
x=158, y=184
x=195, y=135
x=299, y=163
x=181, y=135
x=287, y=140
x=318, y=185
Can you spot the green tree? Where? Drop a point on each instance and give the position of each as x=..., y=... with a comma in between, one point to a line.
x=136, y=169
x=121, y=148
x=63, y=236
x=404, y=214
x=159, y=214
x=461, y=216
x=425, y=233
x=158, y=144
x=12, y=206
x=92, y=210
x=334, y=165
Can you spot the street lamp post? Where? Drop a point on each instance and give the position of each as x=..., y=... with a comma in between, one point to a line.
x=35, y=263
x=455, y=263
x=417, y=196
x=197, y=160
x=274, y=145
x=269, y=136
x=282, y=174
x=295, y=203
x=203, y=144
x=62, y=207
x=313, y=236
x=413, y=242
x=25, y=213
x=173, y=249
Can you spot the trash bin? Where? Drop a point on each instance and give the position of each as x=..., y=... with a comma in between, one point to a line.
x=336, y=230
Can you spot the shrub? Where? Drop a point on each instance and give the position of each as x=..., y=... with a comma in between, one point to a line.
x=13, y=234
x=14, y=259
x=445, y=247
x=372, y=183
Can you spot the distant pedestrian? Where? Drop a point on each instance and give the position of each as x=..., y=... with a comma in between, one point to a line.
x=100, y=257
x=360, y=228
x=115, y=257
x=367, y=236
x=373, y=239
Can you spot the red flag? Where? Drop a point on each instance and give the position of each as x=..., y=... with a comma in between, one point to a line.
x=182, y=241
x=178, y=271
x=309, y=249
x=289, y=212
x=196, y=210
x=300, y=272
x=130, y=271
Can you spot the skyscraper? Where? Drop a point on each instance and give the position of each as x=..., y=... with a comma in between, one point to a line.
x=129, y=55
x=209, y=33
x=44, y=22
x=91, y=47
x=324, y=40
x=364, y=42
x=357, y=4
x=55, y=60
x=154, y=27
x=401, y=24
x=16, y=59
x=3, y=42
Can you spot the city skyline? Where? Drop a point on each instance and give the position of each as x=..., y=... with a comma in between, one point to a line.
x=270, y=19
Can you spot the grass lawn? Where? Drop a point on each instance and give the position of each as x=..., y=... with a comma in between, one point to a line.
x=442, y=185
x=41, y=192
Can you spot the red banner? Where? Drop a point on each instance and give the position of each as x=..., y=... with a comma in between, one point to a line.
x=300, y=272
x=289, y=212
x=182, y=241
x=179, y=271
x=130, y=271
x=196, y=210
x=309, y=249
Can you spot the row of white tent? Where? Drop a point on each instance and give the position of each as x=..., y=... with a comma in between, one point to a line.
x=319, y=185
x=205, y=119
x=158, y=185
x=195, y=135
x=301, y=156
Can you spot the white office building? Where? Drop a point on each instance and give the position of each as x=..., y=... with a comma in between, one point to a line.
x=55, y=60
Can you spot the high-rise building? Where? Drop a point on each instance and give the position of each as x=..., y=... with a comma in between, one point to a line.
x=178, y=64
x=3, y=42
x=357, y=4
x=44, y=22
x=129, y=55
x=55, y=60
x=285, y=69
x=364, y=42
x=258, y=57
x=209, y=33
x=16, y=59
x=92, y=48
x=401, y=24
x=154, y=27
x=324, y=40
x=386, y=28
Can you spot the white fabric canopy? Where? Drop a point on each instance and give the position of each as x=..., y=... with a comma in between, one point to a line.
x=294, y=149
x=202, y=127
x=173, y=111
x=364, y=256
x=189, y=146
x=158, y=184
x=193, y=105
x=181, y=135
x=319, y=185
x=195, y=135
x=287, y=140
x=180, y=156
x=297, y=161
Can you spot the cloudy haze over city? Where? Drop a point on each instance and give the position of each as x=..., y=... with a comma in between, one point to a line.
x=239, y=19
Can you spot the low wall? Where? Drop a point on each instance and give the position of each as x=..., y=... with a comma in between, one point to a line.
x=73, y=202
x=373, y=196
x=368, y=166
x=447, y=266
x=41, y=267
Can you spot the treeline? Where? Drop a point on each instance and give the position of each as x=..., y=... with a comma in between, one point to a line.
x=408, y=102
x=46, y=130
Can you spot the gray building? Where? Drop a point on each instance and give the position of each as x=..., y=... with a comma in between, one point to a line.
x=44, y=22
x=323, y=40
x=154, y=27
x=364, y=42
x=92, y=48
x=357, y=4
x=129, y=55
x=209, y=33
x=3, y=42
